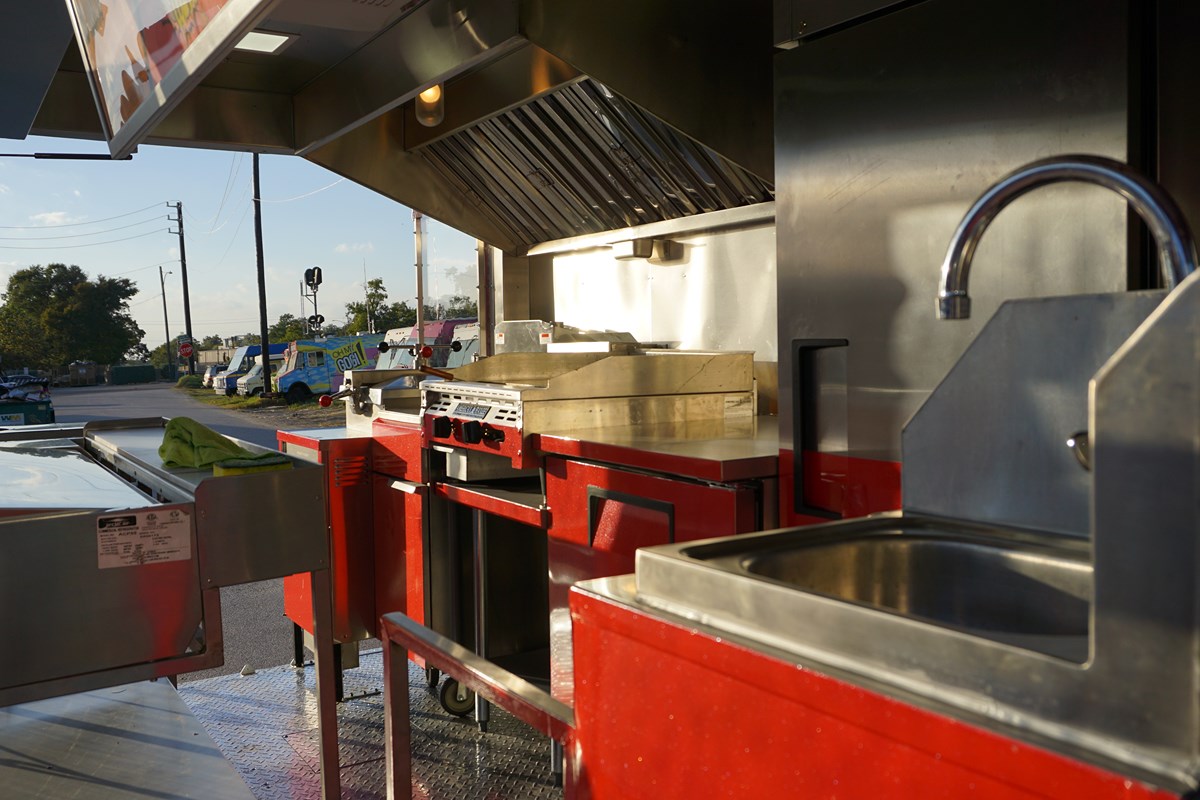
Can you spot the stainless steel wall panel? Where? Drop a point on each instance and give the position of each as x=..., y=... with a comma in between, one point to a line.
x=1176, y=77
x=795, y=19
x=886, y=133
x=990, y=442
x=239, y=546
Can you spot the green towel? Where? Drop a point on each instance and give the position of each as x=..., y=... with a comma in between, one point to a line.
x=187, y=443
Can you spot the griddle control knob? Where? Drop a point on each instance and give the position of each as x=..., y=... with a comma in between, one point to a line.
x=442, y=427
x=491, y=434
x=472, y=431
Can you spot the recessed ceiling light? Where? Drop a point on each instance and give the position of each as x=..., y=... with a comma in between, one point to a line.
x=264, y=42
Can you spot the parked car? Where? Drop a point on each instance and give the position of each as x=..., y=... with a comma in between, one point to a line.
x=210, y=374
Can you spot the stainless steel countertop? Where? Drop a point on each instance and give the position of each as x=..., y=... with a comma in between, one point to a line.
x=60, y=478
x=720, y=450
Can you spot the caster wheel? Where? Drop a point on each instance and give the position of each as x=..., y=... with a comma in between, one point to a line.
x=456, y=700
x=432, y=676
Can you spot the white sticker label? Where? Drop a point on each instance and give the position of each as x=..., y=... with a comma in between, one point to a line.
x=499, y=337
x=143, y=537
x=544, y=337
x=12, y=419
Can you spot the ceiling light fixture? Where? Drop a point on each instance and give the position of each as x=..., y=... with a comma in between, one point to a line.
x=264, y=42
x=431, y=106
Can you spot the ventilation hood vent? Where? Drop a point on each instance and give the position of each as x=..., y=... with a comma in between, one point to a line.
x=584, y=160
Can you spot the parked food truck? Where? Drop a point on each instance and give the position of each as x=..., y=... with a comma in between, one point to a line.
x=399, y=348
x=251, y=384
x=835, y=430
x=316, y=366
x=245, y=357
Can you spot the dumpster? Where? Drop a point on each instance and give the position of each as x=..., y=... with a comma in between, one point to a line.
x=132, y=373
x=26, y=412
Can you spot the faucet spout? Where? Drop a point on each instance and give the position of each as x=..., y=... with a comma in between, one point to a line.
x=1176, y=248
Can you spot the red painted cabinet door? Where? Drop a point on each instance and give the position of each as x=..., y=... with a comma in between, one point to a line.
x=399, y=569
x=348, y=487
x=617, y=511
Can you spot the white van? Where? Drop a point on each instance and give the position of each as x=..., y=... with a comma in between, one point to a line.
x=251, y=384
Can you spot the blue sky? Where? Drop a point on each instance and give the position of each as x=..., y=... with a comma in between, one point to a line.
x=110, y=218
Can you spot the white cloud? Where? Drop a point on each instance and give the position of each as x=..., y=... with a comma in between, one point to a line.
x=50, y=217
x=77, y=193
x=4, y=189
x=357, y=247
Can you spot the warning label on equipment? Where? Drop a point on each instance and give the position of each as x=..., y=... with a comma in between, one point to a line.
x=143, y=537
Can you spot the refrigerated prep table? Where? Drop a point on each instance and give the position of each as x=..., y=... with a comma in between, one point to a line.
x=110, y=563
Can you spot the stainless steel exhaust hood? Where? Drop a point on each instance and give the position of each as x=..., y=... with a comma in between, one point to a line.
x=579, y=160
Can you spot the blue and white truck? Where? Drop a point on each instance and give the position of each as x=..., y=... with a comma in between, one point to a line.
x=316, y=366
x=225, y=383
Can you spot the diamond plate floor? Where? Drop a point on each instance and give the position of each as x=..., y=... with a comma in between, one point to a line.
x=266, y=726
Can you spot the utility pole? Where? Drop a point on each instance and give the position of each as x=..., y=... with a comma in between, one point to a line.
x=367, y=299
x=187, y=303
x=419, y=243
x=268, y=384
x=162, y=283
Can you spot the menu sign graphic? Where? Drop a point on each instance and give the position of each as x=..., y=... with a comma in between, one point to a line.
x=143, y=56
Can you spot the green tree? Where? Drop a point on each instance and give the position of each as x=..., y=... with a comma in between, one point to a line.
x=402, y=315
x=53, y=315
x=371, y=312
x=457, y=307
x=159, y=355
x=211, y=342
x=287, y=329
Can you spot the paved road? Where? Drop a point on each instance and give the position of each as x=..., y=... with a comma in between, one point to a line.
x=256, y=632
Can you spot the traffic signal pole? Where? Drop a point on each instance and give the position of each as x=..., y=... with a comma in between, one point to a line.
x=312, y=279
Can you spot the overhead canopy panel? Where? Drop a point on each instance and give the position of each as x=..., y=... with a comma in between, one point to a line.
x=561, y=117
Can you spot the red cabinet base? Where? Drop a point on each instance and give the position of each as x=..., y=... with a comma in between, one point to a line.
x=664, y=711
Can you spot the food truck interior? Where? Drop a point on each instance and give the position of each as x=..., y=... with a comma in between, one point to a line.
x=831, y=426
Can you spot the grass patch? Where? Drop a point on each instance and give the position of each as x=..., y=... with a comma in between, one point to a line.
x=209, y=397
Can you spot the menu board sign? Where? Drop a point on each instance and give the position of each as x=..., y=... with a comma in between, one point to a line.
x=143, y=56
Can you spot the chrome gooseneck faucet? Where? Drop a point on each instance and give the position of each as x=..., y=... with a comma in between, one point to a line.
x=1176, y=248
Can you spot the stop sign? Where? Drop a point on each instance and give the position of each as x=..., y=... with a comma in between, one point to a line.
x=185, y=350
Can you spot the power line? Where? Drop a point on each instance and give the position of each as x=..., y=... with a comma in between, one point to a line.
x=147, y=300
x=229, y=182
x=302, y=196
x=148, y=266
x=80, y=235
x=233, y=238
x=72, y=246
x=225, y=222
x=72, y=224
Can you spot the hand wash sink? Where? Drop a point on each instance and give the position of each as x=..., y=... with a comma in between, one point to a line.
x=1033, y=595
x=838, y=587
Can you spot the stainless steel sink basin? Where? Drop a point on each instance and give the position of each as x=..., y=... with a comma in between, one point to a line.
x=1033, y=596
x=1012, y=587
x=997, y=623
